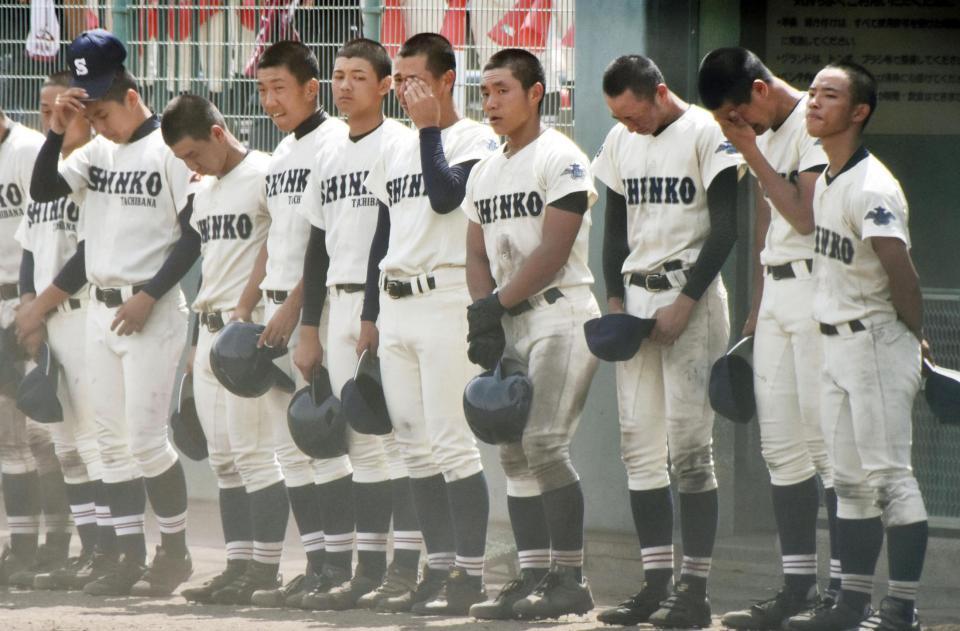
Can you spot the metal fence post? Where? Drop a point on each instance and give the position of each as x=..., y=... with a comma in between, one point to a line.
x=121, y=22
x=372, y=10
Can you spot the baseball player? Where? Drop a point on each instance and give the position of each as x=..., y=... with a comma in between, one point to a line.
x=50, y=238
x=671, y=182
x=343, y=215
x=230, y=223
x=763, y=117
x=320, y=491
x=416, y=265
x=527, y=271
x=134, y=210
x=26, y=453
x=869, y=310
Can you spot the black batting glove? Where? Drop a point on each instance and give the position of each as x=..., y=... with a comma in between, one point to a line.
x=485, y=315
x=485, y=349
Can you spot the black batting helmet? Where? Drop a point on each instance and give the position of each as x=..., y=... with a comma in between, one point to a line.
x=496, y=403
x=313, y=416
x=731, y=384
x=362, y=401
x=185, y=425
x=242, y=367
x=37, y=394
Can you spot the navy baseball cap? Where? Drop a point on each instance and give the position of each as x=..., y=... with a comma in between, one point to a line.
x=37, y=394
x=731, y=389
x=942, y=391
x=616, y=337
x=94, y=59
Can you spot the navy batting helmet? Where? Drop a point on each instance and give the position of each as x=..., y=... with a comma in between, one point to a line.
x=10, y=358
x=37, y=394
x=496, y=403
x=185, y=425
x=362, y=401
x=731, y=384
x=616, y=337
x=242, y=367
x=942, y=392
x=313, y=416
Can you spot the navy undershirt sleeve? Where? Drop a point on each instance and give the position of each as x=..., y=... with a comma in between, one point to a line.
x=73, y=275
x=185, y=253
x=195, y=322
x=446, y=185
x=575, y=202
x=46, y=183
x=26, y=273
x=378, y=249
x=616, y=248
x=316, y=264
x=722, y=205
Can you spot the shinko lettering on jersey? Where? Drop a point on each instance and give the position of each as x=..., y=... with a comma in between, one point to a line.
x=225, y=227
x=10, y=195
x=410, y=185
x=347, y=185
x=834, y=245
x=659, y=190
x=291, y=182
x=62, y=211
x=510, y=206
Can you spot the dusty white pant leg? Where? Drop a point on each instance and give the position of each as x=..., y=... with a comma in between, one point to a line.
x=211, y=401
x=76, y=446
x=340, y=348
x=879, y=372
x=15, y=455
x=298, y=468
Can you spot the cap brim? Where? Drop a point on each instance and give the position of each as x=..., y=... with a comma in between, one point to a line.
x=96, y=87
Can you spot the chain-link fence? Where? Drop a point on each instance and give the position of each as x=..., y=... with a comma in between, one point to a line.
x=210, y=47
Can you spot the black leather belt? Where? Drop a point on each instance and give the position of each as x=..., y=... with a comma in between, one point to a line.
x=551, y=296
x=276, y=296
x=779, y=272
x=113, y=297
x=659, y=281
x=213, y=320
x=402, y=289
x=73, y=304
x=350, y=288
x=855, y=327
x=9, y=291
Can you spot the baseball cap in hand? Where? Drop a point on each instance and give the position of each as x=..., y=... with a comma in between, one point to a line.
x=94, y=59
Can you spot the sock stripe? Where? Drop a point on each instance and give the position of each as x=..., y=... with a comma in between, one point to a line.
x=473, y=566
x=23, y=525
x=341, y=542
x=534, y=559
x=857, y=583
x=407, y=539
x=569, y=558
x=239, y=550
x=267, y=552
x=799, y=563
x=84, y=514
x=696, y=566
x=172, y=525
x=372, y=541
x=904, y=590
x=128, y=525
x=657, y=557
x=440, y=560
x=313, y=541
x=835, y=571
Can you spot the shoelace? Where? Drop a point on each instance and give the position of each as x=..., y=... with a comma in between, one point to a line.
x=550, y=580
x=508, y=589
x=294, y=585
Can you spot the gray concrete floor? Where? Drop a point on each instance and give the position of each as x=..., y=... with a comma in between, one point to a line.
x=745, y=568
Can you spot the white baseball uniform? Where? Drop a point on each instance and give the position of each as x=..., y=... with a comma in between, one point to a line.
x=423, y=355
x=337, y=202
x=286, y=182
x=508, y=197
x=787, y=345
x=871, y=367
x=133, y=194
x=662, y=391
x=230, y=215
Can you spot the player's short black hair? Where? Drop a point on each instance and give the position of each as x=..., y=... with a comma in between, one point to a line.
x=436, y=47
x=523, y=65
x=295, y=57
x=123, y=81
x=189, y=115
x=632, y=72
x=863, y=85
x=58, y=79
x=372, y=51
x=727, y=74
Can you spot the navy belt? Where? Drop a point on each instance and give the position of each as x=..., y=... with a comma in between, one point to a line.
x=402, y=289
x=551, y=296
x=278, y=297
x=350, y=288
x=213, y=320
x=779, y=272
x=855, y=327
x=113, y=297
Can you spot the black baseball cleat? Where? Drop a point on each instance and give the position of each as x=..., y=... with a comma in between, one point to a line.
x=204, y=593
x=398, y=582
x=460, y=591
x=839, y=617
x=51, y=580
x=85, y=571
x=559, y=593
x=11, y=563
x=431, y=582
x=258, y=576
x=684, y=608
x=330, y=577
x=345, y=595
x=47, y=559
x=119, y=579
x=635, y=610
x=770, y=614
x=893, y=615
x=501, y=607
x=164, y=575
x=287, y=596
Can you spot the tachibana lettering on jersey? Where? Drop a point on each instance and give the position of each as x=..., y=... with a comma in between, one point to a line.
x=510, y=206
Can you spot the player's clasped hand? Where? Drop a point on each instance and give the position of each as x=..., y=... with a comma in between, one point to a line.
x=672, y=320
x=422, y=106
x=485, y=336
x=132, y=314
x=28, y=322
x=67, y=105
x=280, y=327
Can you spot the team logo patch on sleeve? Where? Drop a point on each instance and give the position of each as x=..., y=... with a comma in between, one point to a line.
x=490, y=144
x=575, y=171
x=880, y=216
x=726, y=147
